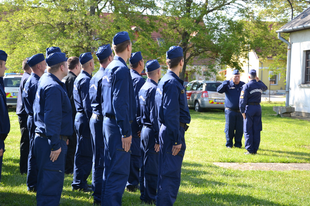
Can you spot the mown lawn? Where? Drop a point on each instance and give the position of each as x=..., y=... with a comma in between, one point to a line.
x=284, y=140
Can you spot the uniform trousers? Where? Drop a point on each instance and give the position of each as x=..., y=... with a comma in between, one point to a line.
x=32, y=164
x=2, y=145
x=233, y=128
x=24, y=143
x=252, y=127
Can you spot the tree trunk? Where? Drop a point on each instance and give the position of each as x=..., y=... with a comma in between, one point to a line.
x=182, y=73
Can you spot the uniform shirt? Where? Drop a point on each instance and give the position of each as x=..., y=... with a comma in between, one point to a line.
x=29, y=92
x=52, y=110
x=118, y=93
x=232, y=92
x=172, y=105
x=81, y=94
x=69, y=82
x=4, y=115
x=251, y=93
x=20, y=108
x=148, y=109
x=95, y=92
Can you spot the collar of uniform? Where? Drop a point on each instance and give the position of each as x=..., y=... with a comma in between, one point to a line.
x=134, y=71
x=101, y=68
x=55, y=78
x=70, y=72
x=175, y=76
x=84, y=72
x=151, y=80
x=120, y=59
x=35, y=75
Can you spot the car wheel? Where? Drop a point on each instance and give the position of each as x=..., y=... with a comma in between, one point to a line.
x=197, y=107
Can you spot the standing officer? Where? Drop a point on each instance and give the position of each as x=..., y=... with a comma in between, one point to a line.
x=53, y=119
x=136, y=67
x=84, y=153
x=4, y=117
x=119, y=110
x=173, y=117
x=74, y=70
x=234, y=120
x=105, y=56
x=149, y=133
x=252, y=112
x=22, y=119
x=38, y=66
x=52, y=50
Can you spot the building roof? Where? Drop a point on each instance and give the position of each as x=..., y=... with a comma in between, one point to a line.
x=300, y=22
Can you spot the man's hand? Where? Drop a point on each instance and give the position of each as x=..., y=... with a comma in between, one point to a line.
x=1, y=152
x=126, y=143
x=139, y=133
x=243, y=114
x=176, y=149
x=54, y=154
x=156, y=147
x=257, y=79
x=67, y=142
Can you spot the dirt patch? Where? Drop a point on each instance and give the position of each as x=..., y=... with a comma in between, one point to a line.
x=264, y=166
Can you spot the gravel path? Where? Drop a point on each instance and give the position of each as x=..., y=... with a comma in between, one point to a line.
x=264, y=166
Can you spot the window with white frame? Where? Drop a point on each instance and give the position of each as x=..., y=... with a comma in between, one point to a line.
x=273, y=78
x=307, y=68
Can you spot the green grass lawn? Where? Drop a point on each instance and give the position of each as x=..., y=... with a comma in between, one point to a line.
x=283, y=140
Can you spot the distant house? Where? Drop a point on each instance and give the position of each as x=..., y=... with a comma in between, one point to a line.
x=298, y=67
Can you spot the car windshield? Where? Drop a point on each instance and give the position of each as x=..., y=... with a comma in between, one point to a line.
x=212, y=86
x=12, y=82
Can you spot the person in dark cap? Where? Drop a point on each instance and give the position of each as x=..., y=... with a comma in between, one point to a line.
x=53, y=120
x=149, y=133
x=74, y=68
x=22, y=119
x=105, y=57
x=38, y=65
x=52, y=50
x=4, y=117
x=84, y=153
x=136, y=64
x=118, y=109
x=173, y=116
x=251, y=110
x=234, y=120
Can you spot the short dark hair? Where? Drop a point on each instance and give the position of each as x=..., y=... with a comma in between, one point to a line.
x=135, y=65
x=121, y=47
x=55, y=68
x=105, y=60
x=72, y=62
x=1, y=63
x=252, y=76
x=173, y=62
x=25, y=66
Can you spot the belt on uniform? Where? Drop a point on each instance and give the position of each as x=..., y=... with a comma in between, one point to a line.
x=234, y=110
x=149, y=126
x=110, y=116
x=97, y=116
x=184, y=125
x=253, y=104
x=62, y=137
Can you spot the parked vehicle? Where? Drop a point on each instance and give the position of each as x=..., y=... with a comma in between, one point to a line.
x=11, y=87
x=203, y=95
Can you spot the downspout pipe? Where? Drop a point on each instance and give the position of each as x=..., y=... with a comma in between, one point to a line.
x=288, y=69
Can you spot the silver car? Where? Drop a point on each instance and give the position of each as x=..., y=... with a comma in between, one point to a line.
x=203, y=95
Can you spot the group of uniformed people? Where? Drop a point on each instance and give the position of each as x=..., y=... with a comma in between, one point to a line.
x=128, y=131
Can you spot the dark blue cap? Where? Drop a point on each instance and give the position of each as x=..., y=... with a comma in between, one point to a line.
x=51, y=50
x=151, y=65
x=104, y=51
x=3, y=55
x=120, y=37
x=235, y=72
x=35, y=59
x=135, y=57
x=55, y=58
x=252, y=72
x=85, y=57
x=174, y=52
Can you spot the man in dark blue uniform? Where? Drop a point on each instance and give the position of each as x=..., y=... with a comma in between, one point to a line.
x=105, y=56
x=38, y=66
x=252, y=112
x=84, y=153
x=74, y=70
x=234, y=120
x=22, y=119
x=53, y=119
x=173, y=117
x=4, y=115
x=52, y=50
x=136, y=67
x=149, y=133
x=119, y=110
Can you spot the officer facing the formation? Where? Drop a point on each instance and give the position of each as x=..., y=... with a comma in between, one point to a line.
x=173, y=115
x=53, y=119
x=119, y=110
x=22, y=119
x=84, y=153
x=38, y=66
x=136, y=67
x=105, y=56
x=4, y=117
x=149, y=133
x=252, y=112
x=234, y=120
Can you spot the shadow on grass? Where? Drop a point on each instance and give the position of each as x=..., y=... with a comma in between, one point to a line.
x=297, y=155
